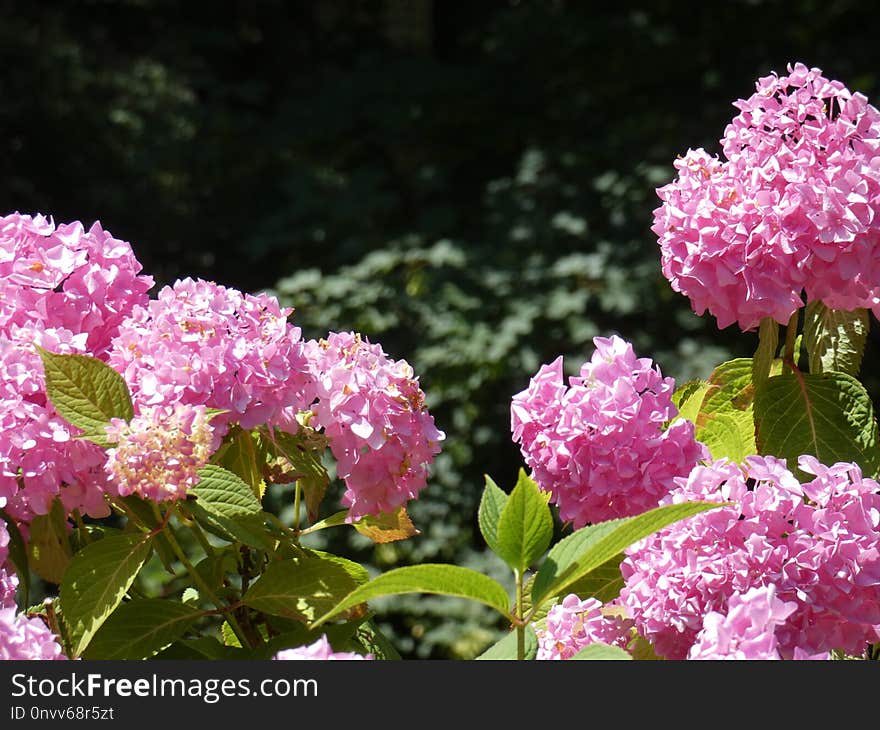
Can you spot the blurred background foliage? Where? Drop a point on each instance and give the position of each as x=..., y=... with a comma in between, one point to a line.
x=470, y=184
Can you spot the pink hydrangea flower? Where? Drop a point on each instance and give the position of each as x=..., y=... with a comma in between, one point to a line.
x=573, y=624
x=26, y=638
x=817, y=543
x=748, y=629
x=320, y=651
x=40, y=458
x=199, y=343
x=67, y=289
x=372, y=410
x=793, y=208
x=8, y=581
x=158, y=453
x=68, y=278
x=598, y=445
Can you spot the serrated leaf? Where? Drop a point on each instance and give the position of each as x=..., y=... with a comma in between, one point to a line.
x=835, y=339
x=588, y=548
x=85, y=391
x=601, y=651
x=689, y=398
x=768, y=345
x=49, y=550
x=726, y=421
x=306, y=587
x=491, y=506
x=525, y=526
x=225, y=494
x=435, y=578
x=139, y=629
x=229, y=637
x=386, y=527
x=506, y=647
x=829, y=416
x=96, y=582
x=18, y=556
x=227, y=507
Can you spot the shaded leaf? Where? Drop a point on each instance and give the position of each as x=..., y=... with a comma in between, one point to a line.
x=491, y=506
x=139, y=629
x=835, y=339
x=49, y=550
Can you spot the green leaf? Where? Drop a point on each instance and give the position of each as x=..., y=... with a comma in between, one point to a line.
x=96, y=582
x=829, y=416
x=204, y=647
x=18, y=556
x=139, y=629
x=491, y=506
x=726, y=422
x=525, y=527
x=506, y=647
x=835, y=339
x=768, y=345
x=603, y=583
x=602, y=651
x=225, y=494
x=441, y=579
x=49, y=550
x=577, y=555
x=226, y=506
x=688, y=399
x=375, y=642
x=305, y=587
x=228, y=634
x=85, y=390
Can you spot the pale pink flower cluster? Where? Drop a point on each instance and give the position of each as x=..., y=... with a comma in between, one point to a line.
x=795, y=206
x=199, y=343
x=65, y=288
x=573, y=624
x=817, y=543
x=26, y=638
x=598, y=445
x=373, y=412
x=159, y=452
x=319, y=651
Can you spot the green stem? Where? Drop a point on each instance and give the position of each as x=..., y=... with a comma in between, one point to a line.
x=203, y=587
x=77, y=517
x=790, y=338
x=296, y=497
x=188, y=520
x=520, y=624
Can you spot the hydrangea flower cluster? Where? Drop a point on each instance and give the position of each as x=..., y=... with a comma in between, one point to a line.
x=748, y=631
x=598, y=446
x=817, y=543
x=199, y=343
x=26, y=638
x=158, y=453
x=67, y=278
x=8, y=581
x=39, y=456
x=372, y=410
x=794, y=207
x=66, y=289
x=573, y=624
x=319, y=651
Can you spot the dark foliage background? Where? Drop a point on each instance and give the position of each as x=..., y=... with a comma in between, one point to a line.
x=470, y=184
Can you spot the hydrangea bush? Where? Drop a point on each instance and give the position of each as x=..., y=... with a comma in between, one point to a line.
x=732, y=518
